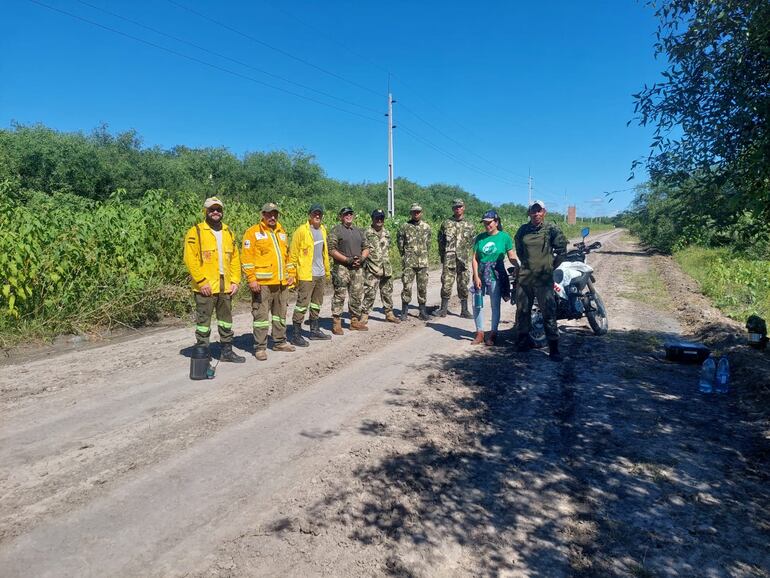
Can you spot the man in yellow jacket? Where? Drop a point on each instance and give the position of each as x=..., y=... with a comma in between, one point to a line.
x=211, y=257
x=266, y=264
x=310, y=257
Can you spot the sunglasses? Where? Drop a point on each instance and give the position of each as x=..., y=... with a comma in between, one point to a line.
x=215, y=210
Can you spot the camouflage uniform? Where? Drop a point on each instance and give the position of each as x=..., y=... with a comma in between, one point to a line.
x=455, y=247
x=378, y=272
x=534, y=247
x=347, y=281
x=413, y=243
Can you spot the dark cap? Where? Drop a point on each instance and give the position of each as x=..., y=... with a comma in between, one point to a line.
x=378, y=214
x=316, y=208
x=490, y=216
x=346, y=210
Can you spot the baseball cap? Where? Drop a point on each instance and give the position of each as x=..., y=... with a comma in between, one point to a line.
x=316, y=208
x=212, y=202
x=415, y=208
x=378, y=214
x=533, y=203
x=490, y=216
x=269, y=207
x=458, y=203
x=346, y=210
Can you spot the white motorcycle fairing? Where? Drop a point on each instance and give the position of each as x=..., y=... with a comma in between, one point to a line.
x=568, y=272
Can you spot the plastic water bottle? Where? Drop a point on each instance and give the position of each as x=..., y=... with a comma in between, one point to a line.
x=722, y=382
x=707, y=376
x=478, y=299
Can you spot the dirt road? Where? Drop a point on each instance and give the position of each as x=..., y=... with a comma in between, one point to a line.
x=402, y=451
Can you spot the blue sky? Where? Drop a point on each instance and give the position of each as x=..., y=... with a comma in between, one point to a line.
x=486, y=92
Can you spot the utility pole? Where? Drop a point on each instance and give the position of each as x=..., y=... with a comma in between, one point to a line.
x=391, y=126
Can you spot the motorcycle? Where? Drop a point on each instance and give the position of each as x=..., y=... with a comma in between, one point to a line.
x=576, y=295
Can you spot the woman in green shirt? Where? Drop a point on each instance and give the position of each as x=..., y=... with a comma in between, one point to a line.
x=489, y=252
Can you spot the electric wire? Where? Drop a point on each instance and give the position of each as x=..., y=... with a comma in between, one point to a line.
x=225, y=57
x=271, y=47
x=453, y=157
x=401, y=104
x=457, y=142
x=200, y=61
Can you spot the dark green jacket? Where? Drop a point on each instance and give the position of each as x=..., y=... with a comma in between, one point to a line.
x=534, y=248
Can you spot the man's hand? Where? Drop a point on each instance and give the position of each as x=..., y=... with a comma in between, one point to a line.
x=290, y=280
x=255, y=287
x=206, y=290
x=233, y=289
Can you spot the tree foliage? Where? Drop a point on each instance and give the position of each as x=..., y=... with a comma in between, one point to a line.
x=712, y=107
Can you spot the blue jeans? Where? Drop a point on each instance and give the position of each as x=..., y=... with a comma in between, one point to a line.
x=493, y=290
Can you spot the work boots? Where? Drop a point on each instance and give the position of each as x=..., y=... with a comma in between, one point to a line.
x=337, y=326
x=391, y=318
x=284, y=346
x=296, y=336
x=443, y=310
x=404, y=310
x=465, y=313
x=553, y=350
x=491, y=338
x=356, y=325
x=229, y=355
x=315, y=331
x=479, y=339
x=524, y=343
x=423, y=313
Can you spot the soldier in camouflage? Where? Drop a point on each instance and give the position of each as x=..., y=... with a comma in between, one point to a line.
x=348, y=249
x=536, y=242
x=413, y=241
x=378, y=272
x=455, y=247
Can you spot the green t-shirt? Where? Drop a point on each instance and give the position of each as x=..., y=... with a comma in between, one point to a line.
x=490, y=248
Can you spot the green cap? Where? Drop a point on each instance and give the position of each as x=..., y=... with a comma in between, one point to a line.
x=269, y=207
x=415, y=208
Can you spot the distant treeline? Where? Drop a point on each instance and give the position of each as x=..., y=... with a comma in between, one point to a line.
x=97, y=165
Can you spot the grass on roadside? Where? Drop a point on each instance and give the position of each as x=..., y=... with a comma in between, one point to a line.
x=738, y=286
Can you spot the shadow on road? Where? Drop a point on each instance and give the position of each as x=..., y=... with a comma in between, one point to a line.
x=609, y=463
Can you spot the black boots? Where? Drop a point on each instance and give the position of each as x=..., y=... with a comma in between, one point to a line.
x=229, y=355
x=404, y=311
x=315, y=331
x=524, y=343
x=465, y=313
x=553, y=350
x=443, y=310
x=296, y=336
x=423, y=313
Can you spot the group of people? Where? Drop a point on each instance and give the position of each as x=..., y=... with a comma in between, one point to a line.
x=358, y=263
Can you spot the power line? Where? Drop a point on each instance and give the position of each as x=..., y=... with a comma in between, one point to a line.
x=402, y=105
x=271, y=47
x=453, y=157
x=200, y=61
x=458, y=143
x=224, y=56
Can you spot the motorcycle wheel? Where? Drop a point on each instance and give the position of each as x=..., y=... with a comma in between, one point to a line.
x=597, y=318
x=537, y=329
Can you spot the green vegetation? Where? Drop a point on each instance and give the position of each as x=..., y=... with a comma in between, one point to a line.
x=708, y=199
x=737, y=285
x=91, y=226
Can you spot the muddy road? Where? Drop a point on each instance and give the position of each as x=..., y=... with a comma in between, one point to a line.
x=403, y=451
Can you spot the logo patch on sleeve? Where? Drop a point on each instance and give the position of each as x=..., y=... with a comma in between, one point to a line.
x=246, y=244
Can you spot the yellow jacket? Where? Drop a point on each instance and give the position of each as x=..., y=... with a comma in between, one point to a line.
x=202, y=258
x=301, y=252
x=266, y=255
